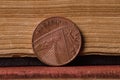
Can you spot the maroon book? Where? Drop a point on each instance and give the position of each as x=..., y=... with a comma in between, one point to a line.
x=35, y=72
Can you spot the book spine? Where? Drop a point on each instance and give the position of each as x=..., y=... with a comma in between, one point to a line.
x=108, y=72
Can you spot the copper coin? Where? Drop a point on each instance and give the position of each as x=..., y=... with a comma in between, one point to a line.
x=56, y=41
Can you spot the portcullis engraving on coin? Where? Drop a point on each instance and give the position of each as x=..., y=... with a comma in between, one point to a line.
x=56, y=41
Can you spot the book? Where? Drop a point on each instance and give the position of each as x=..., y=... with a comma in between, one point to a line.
x=42, y=72
x=98, y=21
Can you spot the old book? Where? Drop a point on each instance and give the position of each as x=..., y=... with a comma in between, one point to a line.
x=98, y=20
x=86, y=72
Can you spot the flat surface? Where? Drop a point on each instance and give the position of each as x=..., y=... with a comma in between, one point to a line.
x=98, y=20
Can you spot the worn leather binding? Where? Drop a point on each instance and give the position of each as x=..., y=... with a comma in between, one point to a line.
x=85, y=72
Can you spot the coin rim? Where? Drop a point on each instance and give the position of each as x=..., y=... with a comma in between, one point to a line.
x=73, y=57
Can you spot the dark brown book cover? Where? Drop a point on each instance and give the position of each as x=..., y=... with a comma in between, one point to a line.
x=96, y=72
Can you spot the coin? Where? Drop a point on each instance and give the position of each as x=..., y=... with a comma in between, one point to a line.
x=56, y=41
